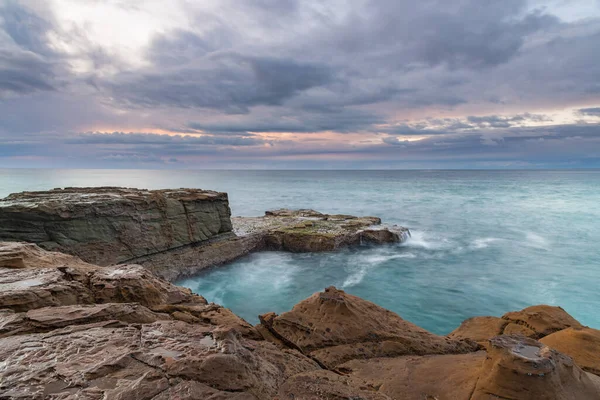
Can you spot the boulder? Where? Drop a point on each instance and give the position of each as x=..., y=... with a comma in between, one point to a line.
x=111, y=225
x=334, y=327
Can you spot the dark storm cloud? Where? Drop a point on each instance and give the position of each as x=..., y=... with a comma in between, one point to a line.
x=230, y=82
x=27, y=63
x=240, y=68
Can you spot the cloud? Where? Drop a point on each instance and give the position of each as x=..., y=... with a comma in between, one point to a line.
x=594, y=112
x=265, y=80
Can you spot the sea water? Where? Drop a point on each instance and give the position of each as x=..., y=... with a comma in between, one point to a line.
x=483, y=242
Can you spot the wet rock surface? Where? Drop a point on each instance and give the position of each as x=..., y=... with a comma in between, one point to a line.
x=72, y=330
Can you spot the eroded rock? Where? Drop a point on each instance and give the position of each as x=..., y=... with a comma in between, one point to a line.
x=581, y=343
x=334, y=327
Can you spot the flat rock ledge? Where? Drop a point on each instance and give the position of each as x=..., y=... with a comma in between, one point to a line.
x=173, y=232
x=71, y=330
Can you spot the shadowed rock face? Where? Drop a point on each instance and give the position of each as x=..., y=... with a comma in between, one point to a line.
x=108, y=225
x=71, y=330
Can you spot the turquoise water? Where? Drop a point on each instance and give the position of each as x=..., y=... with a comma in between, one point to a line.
x=484, y=242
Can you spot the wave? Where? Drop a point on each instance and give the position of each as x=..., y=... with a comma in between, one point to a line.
x=366, y=263
x=537, y=241
x=483, y=243
x=428, y=242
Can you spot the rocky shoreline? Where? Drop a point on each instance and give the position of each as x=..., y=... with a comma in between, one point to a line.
x=72, y=329
x=176, y=232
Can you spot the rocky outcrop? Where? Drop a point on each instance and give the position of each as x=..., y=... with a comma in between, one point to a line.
x=73, y=330
x=174, y=233
x=581, y=343
x=110, y=225
x=78, y=331
x=282, y=230
x=534, y=322
x=334, y=327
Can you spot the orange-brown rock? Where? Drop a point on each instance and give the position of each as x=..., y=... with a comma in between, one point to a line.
x=122, y=333
x=334, y=327
x=326, y=385
x=542, y=320
x=534, y=322
x=479, y=329
x=514, y=367
x=521, y=368
x=582, y=344
x=441, y=377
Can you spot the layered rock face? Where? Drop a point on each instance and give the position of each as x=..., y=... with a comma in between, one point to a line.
x=110, y=225
x=71, y=330
x=175, y=232
x=282, y=230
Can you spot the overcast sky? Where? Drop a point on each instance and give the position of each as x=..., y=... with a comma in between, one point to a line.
x=300, y=83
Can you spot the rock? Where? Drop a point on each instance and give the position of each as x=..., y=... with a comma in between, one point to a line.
x=110, y=225
x=281, y=230
x=522, y=368
x=479, y=329
x=121, y=333
x=441, y=377
x=312, y=231
x=514, y=367
x=542, y=320
x=334, y=327
x=320, y=385
x=174, y=233
x=534, y=322
x=582, y=344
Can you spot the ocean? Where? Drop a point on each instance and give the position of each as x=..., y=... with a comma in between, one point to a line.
x=483, y=242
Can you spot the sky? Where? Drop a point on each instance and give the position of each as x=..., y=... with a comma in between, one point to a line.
x=342, y=84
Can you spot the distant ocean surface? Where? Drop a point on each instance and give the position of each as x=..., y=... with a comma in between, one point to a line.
x=483, y=242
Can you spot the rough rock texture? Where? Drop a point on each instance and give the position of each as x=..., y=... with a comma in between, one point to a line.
x=514, y=367
x=582, y=344
x=110, y=225
x=534, y=322
x=334, y=327
x=70, y=330
x=175, y=232
x=282, y=230
x=78, y=331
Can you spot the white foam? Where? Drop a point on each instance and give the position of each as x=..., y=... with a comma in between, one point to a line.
x=367, y=262
x=428, y=242
x=537, y=241
x=483, y=242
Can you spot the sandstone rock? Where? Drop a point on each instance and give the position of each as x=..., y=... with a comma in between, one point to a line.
x=479, y=329
x=514, y=367
x=433, y=377
x=543, y=320
x=334, y=327
x=534, y=322
x=582, y=344
x=326, y=385
x=110, y=225
x=521, y=368
x=121, y=333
